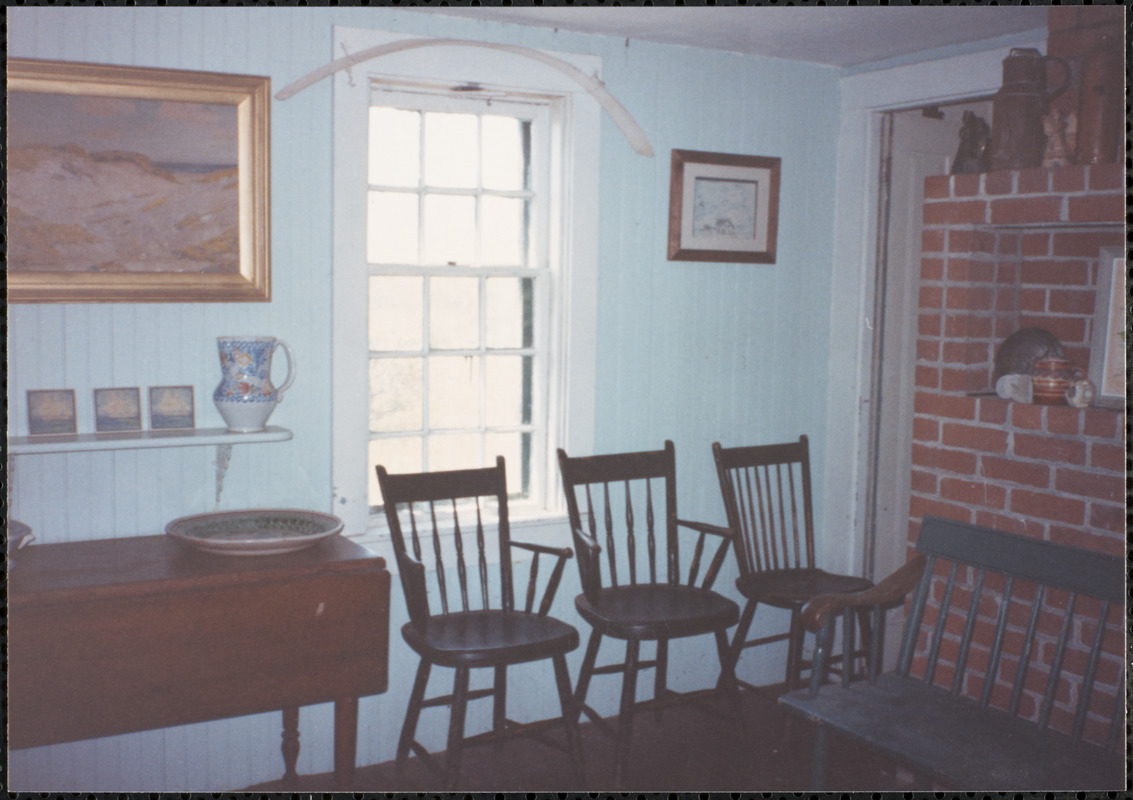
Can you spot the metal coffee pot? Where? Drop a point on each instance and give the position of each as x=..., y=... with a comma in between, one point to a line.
x=1017, y=136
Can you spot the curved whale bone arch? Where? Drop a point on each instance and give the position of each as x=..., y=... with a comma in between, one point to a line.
x=594, y=87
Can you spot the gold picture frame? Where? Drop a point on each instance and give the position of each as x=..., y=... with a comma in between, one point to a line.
x=723, y=207
x=166, y=177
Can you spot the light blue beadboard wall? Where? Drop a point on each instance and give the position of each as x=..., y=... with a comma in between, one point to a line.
x=689, y=351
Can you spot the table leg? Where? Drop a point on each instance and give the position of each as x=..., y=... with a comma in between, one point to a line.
x=345, y=741
x=290, y=746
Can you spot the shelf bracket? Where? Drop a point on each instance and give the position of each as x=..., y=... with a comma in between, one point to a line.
x=223, y=456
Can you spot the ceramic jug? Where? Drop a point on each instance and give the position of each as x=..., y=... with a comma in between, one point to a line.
x=1053, y=380
x=1017, y=135
x=245, y=396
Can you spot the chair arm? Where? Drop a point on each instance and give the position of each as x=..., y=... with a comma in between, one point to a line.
x=725, y=533
x=562, y=552
x=707, y=527
x=890, y=591
x=561, y=555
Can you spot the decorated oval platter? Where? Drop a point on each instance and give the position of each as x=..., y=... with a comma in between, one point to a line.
x=259, y=532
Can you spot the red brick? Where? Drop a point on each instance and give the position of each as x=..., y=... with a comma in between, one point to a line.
x=1008, y=244
x=927, y=377
x=1068, y=179
x=970, y=241
x=1107, y=177
x=1048, y=506
x=929, y=324
x=923, y=482
x=1049, y=448
x=1035, y=244
x=955, y=212
x=1007, y=272
x=1089, y=540
x=970, y=298
x=1013, y=470
x=1063, y=419
x=1061, y=273
x=1000, y=182
x=1101, y=422
x=931, y=297
x=1108, y=457
x=1026, y=209
x=973, y=437
x=926, y=430
x=940, y=459
x=1066, y=301
x=1097, y=208
x=1032, y=300
x=923, y=506
x=936, y=187
x=1084, y=245
x=965, y=185
x=932, y=269
x=969, y=271
x=1088, y=483
x=1025, y=415
x=993, y=410
x=968, y=326
x=1067, y=329
x=968, y=379
x=1060, y=18
x=1108, y=517
x=928, y=350
x=977, y=493
x=967, y=351
x=944, y=405
x=1034, y=180
x=932, y=241
x=1011, y=523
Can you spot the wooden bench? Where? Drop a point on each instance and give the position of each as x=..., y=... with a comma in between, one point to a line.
x=1053, y=717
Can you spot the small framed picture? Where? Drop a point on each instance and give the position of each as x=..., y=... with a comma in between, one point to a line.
x=117, y=410
x=170, y=407
x=51, y=411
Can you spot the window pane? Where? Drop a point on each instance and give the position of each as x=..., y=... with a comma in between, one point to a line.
x=395, y=147
x=502, y=239
x=396, y=313
x=507, y=390
x=504, y=153
x=454, y=313
x=450, y=229
x=395, y=394
x=391, y=228
x=509, y=312
x=450, y=150
x=454, y=392
x=401, y=454
x=510, y=446
x=454, y=451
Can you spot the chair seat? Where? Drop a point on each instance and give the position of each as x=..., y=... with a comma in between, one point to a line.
x=654, y=611
x=489, y=638
x=789, y=588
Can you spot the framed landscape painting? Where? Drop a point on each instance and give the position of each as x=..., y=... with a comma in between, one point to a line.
x=723, y=207
x=133, y=184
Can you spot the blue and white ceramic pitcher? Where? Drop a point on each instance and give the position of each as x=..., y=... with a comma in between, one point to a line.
x=246, y=396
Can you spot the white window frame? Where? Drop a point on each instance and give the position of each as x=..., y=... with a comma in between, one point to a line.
x=573, y=255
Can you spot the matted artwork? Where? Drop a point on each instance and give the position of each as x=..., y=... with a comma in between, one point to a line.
x=170, y=407
x=165, y=173
x=1108, y=343
x=723, y=207
x=117, y=410
x=51, y=411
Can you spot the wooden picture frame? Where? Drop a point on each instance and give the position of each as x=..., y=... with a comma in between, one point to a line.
x=166, y=173
x=1108, y=341
x=51, y=412
x=117, y=410
x=723, y=207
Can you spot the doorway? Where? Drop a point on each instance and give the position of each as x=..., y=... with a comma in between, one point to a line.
x=915, y=143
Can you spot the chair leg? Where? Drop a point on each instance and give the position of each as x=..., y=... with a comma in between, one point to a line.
x=661, y=675
x=586, y=671
x=409, y=727
x=625, y=712
x=794, y=651
x=499, y=699
x=570, y=719
x=456, y=727
x=867, y=637
x=818, y=758
x=726, y=685
x=740, y=637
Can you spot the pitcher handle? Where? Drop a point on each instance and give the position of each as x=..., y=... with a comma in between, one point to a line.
x=1065, y=76
x=291, y=366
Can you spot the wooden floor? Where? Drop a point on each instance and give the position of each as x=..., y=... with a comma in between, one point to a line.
x=689, y=748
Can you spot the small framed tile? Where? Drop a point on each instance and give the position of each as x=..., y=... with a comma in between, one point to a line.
x=117, y=410
x=171, y=407
x=51, y=411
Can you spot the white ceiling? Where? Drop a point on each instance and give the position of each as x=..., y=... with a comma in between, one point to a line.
x=841, y=36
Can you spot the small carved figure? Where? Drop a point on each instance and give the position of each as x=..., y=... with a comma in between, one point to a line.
x=973, y=154
x=1061, y=134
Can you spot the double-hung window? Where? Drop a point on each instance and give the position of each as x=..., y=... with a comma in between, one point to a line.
x=464, y=268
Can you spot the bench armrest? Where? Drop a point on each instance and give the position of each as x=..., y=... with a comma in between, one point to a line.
x=891, y=591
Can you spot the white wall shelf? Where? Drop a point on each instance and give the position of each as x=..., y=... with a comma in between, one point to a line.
x=145, y=440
